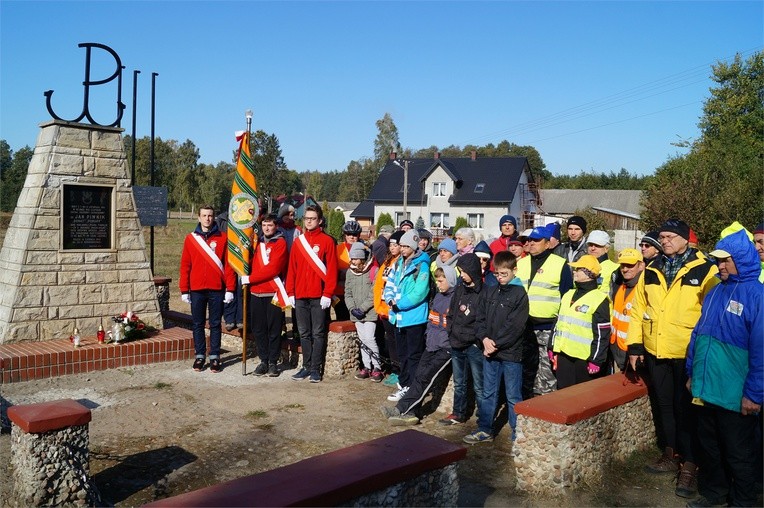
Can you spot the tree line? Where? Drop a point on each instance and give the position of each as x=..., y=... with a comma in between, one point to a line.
x=191, y=183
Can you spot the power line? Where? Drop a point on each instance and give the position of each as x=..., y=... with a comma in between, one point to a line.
x=642, y=92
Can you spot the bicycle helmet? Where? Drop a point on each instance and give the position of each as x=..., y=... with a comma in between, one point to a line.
x=351, y=227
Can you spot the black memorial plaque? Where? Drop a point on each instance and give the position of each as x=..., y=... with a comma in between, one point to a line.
x=87, y=217
x=151, y=203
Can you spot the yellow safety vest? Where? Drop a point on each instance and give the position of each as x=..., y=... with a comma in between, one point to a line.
x=607, y=268
x=620, y=320
x=573, y=334
x=544, y=290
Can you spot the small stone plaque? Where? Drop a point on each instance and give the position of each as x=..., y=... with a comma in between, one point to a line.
x=87, y=217
x=151, y=204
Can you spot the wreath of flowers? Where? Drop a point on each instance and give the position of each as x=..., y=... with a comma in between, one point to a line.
x=134, y=327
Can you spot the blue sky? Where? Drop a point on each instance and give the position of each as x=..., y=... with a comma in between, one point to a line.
x=592, y=85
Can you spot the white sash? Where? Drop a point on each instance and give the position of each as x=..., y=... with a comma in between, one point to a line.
x=313, y=257
x=264, y=254
x=208, y=250
x=281, y=299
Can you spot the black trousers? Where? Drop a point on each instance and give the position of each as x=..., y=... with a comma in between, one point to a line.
x=431, y=365
x=267, y=320
x=391, y=345
x=728, y=461
x=311, y=323
x=410, y=341
x=675, y=419
x=572, y=371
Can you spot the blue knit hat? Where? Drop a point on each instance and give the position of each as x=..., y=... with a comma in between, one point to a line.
x=448, y=244
x=507, y=218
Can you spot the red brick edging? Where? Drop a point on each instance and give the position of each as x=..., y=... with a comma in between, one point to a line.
x=25, y=361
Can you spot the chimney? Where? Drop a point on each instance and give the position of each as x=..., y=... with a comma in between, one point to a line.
x=393, y=156
x=473, y=154
x=437, y=155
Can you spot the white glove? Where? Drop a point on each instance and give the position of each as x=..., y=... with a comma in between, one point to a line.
x=325, y=302
x=185, y=298
x=228, y=297
x=245, y=279
x=291, y=301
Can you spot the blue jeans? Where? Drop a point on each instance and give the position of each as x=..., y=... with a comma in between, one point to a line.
x=493, y=370
x=462, y=360
x=200, y=302
x=232, y=312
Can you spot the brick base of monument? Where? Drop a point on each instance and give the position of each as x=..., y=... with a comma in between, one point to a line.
x=27, y=361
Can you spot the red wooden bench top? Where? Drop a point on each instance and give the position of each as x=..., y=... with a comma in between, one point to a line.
x=47, y=416
x=334, y=477
x=341, y=326
x=581, y=401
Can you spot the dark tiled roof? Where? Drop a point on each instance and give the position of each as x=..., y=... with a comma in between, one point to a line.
x=499, y=176
x=567, y=201
x=365, y=210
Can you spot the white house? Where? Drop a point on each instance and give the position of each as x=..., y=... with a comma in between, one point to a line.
x=444, y=188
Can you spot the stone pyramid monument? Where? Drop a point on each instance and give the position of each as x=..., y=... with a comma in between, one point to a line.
x=74, y=254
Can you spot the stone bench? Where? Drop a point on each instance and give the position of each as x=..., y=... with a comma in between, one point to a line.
x=572, y=435
x=49, y=454
x=408, y=468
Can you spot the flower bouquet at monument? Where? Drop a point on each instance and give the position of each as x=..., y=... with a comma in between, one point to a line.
x=128, y=326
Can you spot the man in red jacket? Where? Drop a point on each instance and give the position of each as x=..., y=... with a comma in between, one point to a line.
x=268, y=292
x=311, y=282
x=206, y=281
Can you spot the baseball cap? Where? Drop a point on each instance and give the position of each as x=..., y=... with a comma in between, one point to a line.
x=589, y=262
x=540, y=233
x=630, y=256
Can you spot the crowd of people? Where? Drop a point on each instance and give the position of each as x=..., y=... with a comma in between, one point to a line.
x=527, y=311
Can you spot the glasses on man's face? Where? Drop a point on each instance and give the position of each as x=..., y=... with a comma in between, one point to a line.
x=502, y=274
x=310, y=218
x=667, y=238
x=645, y=245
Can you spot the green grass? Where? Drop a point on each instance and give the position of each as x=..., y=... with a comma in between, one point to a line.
x=162, y=386
x=256, y=414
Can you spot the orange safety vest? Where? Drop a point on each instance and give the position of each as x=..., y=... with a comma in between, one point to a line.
x=620, y=321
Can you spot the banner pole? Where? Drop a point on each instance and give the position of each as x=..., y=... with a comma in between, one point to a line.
x=244, y=289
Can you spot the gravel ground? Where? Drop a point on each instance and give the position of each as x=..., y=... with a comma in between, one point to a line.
x=163, y=429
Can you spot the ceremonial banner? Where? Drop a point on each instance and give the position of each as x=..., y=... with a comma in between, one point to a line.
x=243, y=210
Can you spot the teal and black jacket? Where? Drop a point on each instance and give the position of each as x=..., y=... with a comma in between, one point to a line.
x=725, y=358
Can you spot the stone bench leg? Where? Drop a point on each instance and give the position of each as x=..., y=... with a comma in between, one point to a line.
x=343, y=352
x=50, y=458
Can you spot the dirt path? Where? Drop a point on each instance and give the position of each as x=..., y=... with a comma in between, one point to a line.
x=163, y=429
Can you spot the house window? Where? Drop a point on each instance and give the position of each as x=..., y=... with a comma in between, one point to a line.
x=438, y=220
x=439, y=188
x=399, y=217
x=475, y=220
x=479, y=188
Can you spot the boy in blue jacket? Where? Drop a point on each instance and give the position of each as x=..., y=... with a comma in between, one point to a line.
x=725, y=366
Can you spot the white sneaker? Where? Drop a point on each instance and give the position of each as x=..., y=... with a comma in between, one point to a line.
x=398, y=395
